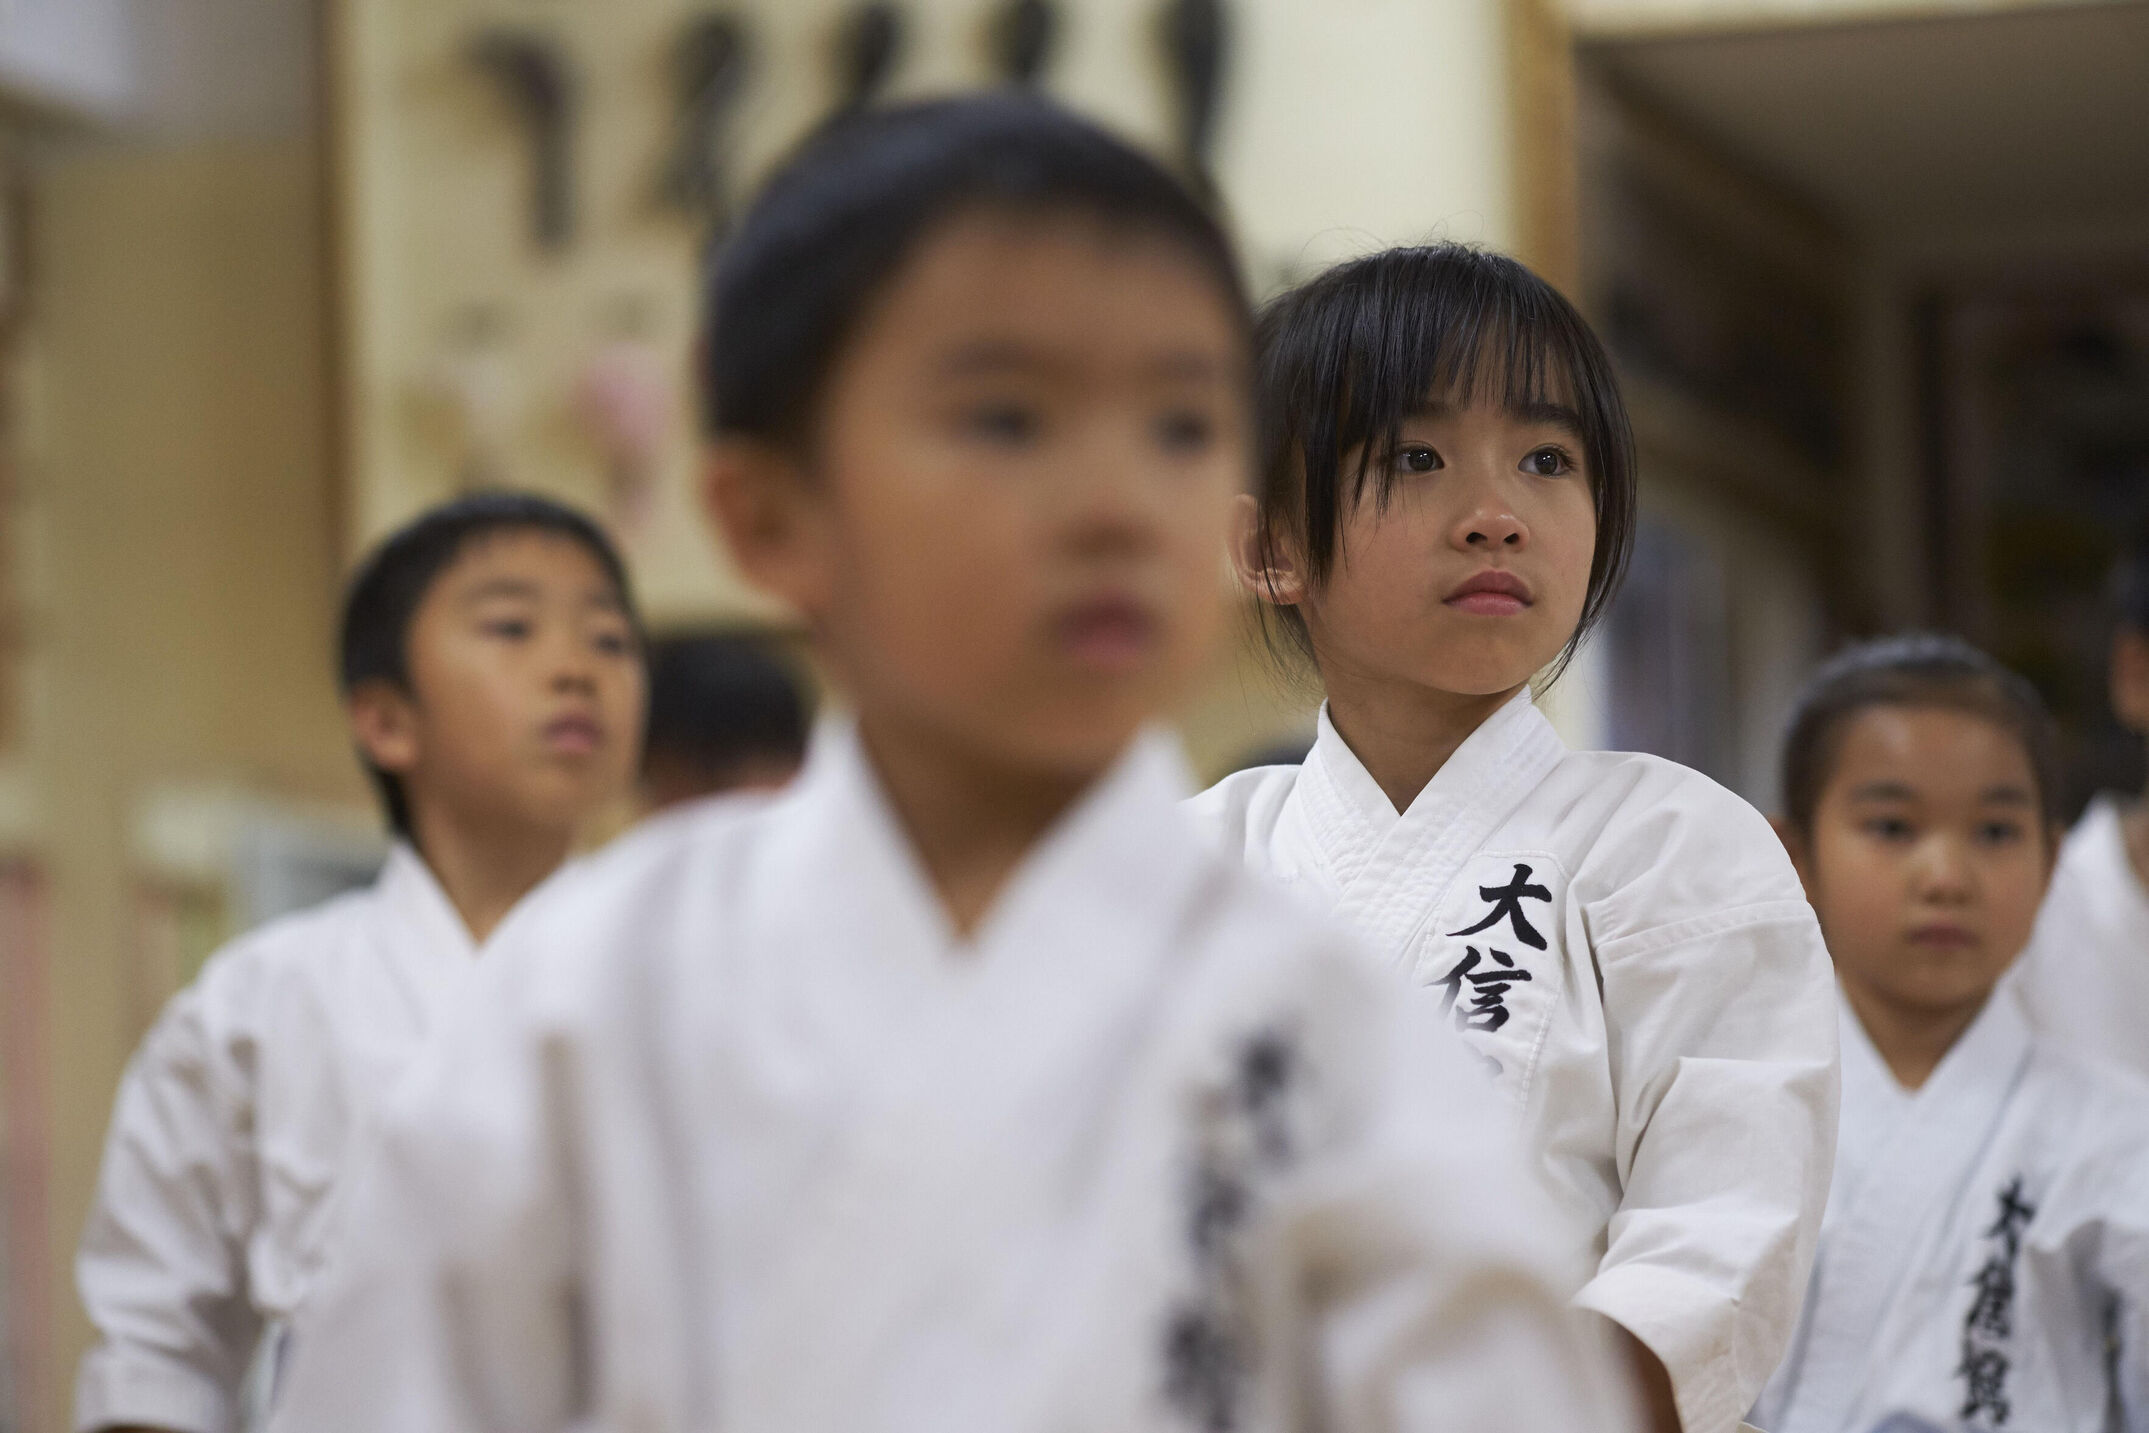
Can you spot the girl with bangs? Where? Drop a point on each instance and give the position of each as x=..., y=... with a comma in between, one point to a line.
x=1446, y=502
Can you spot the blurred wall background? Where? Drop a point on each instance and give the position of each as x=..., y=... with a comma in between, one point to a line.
x=270, y=281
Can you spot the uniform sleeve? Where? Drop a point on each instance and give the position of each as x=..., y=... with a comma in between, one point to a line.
x=448, y=1302
x=1416, y=1271
x=2120, y=1253
x=1721, y=1031
x=162, y=1263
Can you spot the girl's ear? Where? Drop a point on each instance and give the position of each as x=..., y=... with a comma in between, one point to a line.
x=1794, y=844
x=759, y=500
x=1274, y=574
x=384, y=724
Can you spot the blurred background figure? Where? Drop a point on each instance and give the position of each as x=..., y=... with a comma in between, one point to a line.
x=2085, y=980
x=276, y=275
x=725, y=714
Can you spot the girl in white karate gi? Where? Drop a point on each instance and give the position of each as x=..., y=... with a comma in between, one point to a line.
x=491, y=666
x=1985, y=1260
x=962, y=1087
x=1445, y=507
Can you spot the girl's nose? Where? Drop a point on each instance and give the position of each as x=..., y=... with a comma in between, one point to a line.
x=1492, y=525
x=1943, y=874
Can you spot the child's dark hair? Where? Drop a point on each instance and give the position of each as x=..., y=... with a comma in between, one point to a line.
x=721, y=701
x=1342, y=361
x=839, y=219
x=2130, y=583
x=1921, y=669
x=384, y=595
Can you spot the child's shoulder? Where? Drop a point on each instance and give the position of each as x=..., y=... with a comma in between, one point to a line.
x=2099, y=1115
x=289, y=945
x=1243, y=806
x=1678, y=840
x=618, y=906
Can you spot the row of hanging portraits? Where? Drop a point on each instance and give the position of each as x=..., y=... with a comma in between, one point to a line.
x=713, y=66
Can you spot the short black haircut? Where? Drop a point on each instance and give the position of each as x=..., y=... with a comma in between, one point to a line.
x=1916, y=670
x=840, y=218
x=2130, y=583
x=1343, y=360
x=721, y=701
x=382, y=600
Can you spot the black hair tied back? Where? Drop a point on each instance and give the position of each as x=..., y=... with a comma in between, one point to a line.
x=1916, y=670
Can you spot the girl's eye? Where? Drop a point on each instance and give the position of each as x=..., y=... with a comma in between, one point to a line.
x=1011, y=424
x=1888, y=828
x=1548, y=462
x=1185, y=432
x=1415, y=458
x=512, y=629
x=613, y=644
x=1999, y=833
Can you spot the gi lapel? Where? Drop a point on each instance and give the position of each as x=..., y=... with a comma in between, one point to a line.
x=959, y=1056
x=1894, y=1212
x=1393, y=870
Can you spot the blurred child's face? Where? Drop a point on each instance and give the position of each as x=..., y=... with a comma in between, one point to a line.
x=1007, y=536
x=1928, y=857
x=1473, y=575
x=525, y=701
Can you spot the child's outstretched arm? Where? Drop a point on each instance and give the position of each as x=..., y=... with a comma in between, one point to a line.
x=1721, y=1033
x=162, y=1263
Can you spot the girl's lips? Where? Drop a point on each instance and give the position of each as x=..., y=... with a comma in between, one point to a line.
x=574, y=735
x=1942, y=934
x=1491, y=593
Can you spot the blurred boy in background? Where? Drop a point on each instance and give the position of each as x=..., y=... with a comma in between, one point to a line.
x=491, y=670
x=725, y=714
x=2085, y=979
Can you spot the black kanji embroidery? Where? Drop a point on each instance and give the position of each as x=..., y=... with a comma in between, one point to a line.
x=1507, y=906
x=1244, y=1137
x=1990, y=1323
x=1487, y=1009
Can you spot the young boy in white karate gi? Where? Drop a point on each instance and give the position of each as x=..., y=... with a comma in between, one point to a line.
x=491, y=669
x=1446, y=504
x=2084, y=981
x=959, y=1087
x=1984, y=1265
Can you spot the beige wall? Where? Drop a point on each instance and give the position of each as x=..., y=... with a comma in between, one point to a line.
x=186, y=570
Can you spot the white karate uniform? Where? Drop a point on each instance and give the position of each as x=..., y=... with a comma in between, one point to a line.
x=2084, y=981
x=232, y=1125
x=1985, y=1260
x=1626, y=948
x=741, y=1136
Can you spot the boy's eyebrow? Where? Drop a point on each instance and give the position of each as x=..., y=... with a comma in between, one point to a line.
x=502, y=587
x=525, y=590
x=2006, y=795
x=992, y=355
x=1190, y=365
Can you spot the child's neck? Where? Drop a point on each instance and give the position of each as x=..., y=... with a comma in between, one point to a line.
x=1404, y=732
x=486, y=866
x=972, y=819
x=1911, y=1042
